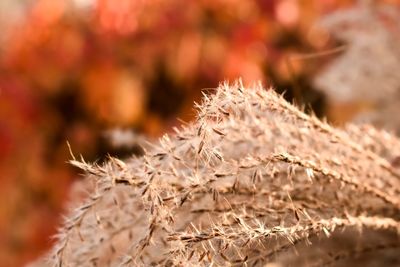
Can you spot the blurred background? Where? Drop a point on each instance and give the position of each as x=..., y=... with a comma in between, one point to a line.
x=100, y=73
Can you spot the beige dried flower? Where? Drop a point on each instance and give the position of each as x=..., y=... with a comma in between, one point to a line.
x=364, y=76
x=249, y=183
x=365, y=71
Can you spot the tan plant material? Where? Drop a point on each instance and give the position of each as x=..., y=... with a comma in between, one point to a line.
x=249, y=183
x=364, y=71
x=362, y=76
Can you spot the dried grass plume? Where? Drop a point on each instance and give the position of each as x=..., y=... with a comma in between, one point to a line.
x=253, y=181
